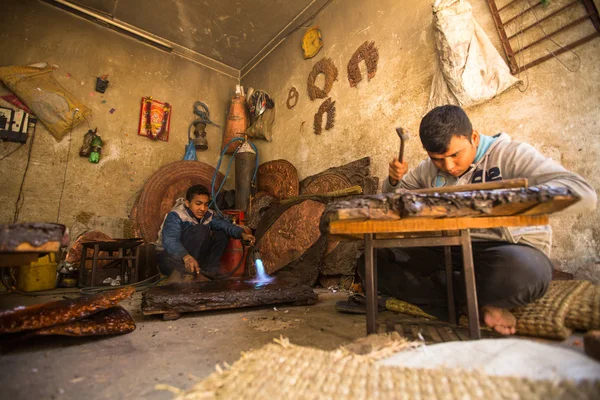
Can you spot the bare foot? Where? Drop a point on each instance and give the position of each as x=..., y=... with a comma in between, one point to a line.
x=500, y=319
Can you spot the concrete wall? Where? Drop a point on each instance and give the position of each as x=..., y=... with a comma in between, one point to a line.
x=557, y=113
x=99, y=196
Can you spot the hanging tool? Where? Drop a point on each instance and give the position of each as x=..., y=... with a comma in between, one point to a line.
x=101, y=83
x=200, y=141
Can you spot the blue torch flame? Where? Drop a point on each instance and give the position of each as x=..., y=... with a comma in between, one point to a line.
x=261, y=276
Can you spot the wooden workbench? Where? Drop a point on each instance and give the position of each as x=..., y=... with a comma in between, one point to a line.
x=443, y=218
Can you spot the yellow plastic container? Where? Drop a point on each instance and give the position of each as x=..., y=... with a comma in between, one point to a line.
x=39, y=275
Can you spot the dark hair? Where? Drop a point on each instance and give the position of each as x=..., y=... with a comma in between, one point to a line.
x=440, y=125
x=195, y=190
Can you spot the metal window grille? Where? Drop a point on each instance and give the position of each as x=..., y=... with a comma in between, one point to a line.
x=525, y=25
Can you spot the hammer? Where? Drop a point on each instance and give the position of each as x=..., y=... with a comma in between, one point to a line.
x=403, y=135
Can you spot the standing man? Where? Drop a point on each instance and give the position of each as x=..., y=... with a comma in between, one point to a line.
x=512, y=267
x=192, y=238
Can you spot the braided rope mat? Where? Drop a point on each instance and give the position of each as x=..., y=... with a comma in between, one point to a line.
x=396, y=305
x=546, y=317
x=286, y=371
x=584, y=312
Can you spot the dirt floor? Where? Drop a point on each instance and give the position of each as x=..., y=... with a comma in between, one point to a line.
x=183, y=351
x=177, y=352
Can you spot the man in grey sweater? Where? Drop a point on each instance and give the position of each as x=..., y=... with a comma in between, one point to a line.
x=512, y=267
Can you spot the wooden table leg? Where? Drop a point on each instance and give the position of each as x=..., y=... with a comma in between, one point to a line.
x=136, y=265
x=122, y=265
x=371, y=284
x=450, y=285
x=82, y=270
x=470, y=286
x=95, y=263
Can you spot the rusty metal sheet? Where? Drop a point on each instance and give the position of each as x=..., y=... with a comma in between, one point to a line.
x=115, y=320
x=278, y=177
x=294, y=232
x=259, y=204
x=165, y=186
x=213, y=295
x=32, y=237
x=60, y=312
x=472, y=203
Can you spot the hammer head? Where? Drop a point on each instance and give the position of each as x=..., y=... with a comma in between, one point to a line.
x=402, y=133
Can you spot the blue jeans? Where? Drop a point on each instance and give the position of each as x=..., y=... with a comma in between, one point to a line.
x=202, y=243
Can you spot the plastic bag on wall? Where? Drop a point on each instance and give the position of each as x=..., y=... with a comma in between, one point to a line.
x=190, y=151
x=50, y=102
x=262, y=127
x=470, y=69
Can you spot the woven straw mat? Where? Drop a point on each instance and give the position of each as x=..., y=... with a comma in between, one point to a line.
x=584, y=311
x=546, y=317
x=286, y=371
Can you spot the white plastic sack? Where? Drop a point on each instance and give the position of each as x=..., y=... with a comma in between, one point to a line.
x=522, y=358
x=470, y=69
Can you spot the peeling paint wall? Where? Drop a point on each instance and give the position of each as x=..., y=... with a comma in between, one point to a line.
x=557, y=113
x=99, y=196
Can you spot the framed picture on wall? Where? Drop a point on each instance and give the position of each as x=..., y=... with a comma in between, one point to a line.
x=155, y=119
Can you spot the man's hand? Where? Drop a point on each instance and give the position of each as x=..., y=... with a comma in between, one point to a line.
x=246, y=229
x=249, y=237
x=397, y=171
x=191, y=265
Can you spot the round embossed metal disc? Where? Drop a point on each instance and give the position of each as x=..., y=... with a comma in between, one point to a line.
x=323, y=184
x=165, y=186
x=326, y=183
x=278, y=177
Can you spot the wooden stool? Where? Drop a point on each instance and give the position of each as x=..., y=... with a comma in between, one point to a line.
x=127, y=250
x=454, y=232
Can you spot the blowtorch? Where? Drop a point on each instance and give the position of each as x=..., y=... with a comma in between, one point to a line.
x=261, y=277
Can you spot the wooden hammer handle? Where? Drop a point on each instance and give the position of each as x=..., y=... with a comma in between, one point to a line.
x=400, y=132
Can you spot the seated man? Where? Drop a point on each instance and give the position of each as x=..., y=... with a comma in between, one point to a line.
x=512, y=267
x=192, y=238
